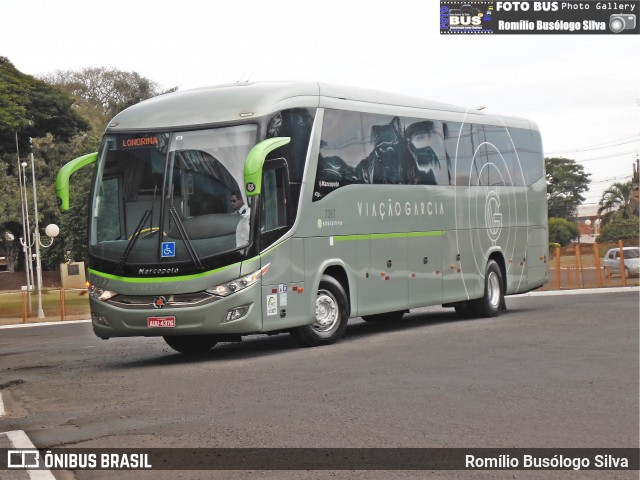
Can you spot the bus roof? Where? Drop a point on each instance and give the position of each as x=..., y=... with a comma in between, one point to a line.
x=242, y=101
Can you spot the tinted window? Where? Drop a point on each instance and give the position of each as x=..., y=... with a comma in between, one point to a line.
x=295, y=123
x=503, y=163
x=341, y=153
x=468, y=154
x=529, y=150
x=451, y=133
x=383, y=149
x=384, y=159
x=274, y=200
x=110, y=229
x=425, y=158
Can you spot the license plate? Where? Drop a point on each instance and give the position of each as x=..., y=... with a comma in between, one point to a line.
x=161, y=322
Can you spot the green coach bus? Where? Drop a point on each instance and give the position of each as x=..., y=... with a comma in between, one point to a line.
x=291, y=207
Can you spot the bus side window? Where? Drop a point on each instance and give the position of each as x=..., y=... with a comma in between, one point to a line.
x=529, y=150
x=425, y=159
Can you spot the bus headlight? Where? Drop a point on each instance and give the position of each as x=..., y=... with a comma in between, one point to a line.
x=227, y=288
x=100, y=294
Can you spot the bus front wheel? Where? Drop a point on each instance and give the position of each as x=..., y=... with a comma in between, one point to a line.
x=491, y=303
x=331, y=316
x=191, y=344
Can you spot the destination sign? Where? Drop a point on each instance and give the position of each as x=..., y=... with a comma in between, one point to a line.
x=138, y=142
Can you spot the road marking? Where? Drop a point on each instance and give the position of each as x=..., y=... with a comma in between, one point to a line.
x=20, y=440
x=42, y=324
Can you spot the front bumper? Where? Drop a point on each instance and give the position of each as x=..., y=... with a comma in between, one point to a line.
x=113, y=319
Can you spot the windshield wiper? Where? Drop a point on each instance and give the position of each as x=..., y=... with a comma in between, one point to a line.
x=133, y=240
x=187, y=241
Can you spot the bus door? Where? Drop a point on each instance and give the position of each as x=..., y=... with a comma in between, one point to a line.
x=285, y=258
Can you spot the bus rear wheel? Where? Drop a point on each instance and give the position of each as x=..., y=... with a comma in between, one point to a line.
x=191, y=344
x=491, y=303
x=331, y=316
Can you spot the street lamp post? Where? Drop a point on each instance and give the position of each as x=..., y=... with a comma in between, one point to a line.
x=27, y=242
x=51, y=231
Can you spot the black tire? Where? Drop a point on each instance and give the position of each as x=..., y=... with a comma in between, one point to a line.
x=385, y=317
x=332, y=315
x=492, y=302
x=191, y=344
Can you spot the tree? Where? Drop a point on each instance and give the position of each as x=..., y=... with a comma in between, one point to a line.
x=566, y=181
x=71, y=244
x=28, y=108
x=562, y=231
x=616, y=203
x=628, y=229
x=33, y=108
x=101, y=93
x=56, y=121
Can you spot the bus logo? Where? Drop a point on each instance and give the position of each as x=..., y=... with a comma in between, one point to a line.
x=493, y=217
x=159, y=302
x=23, y=458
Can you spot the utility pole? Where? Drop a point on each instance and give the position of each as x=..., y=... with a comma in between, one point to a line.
x=635, y=194
x=25, y=241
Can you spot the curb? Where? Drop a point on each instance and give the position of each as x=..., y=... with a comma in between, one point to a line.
x=582, y=291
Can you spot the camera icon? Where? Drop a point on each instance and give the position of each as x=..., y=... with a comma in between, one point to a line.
x=23, y=459
x=622, y=21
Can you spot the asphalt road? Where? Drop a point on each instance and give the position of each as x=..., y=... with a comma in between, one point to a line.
x=553, y=371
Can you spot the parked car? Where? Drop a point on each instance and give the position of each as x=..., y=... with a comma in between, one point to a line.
x=611, y=263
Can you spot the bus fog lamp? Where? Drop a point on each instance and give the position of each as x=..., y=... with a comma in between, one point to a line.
x=236, y=313
x=100, y=320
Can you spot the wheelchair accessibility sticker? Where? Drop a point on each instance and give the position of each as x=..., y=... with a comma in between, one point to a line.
x=168, y=249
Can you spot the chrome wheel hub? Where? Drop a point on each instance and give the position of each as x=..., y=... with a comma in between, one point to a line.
x=326, y=312
x=493, y=289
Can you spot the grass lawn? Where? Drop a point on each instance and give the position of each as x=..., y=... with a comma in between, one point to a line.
x=76, y=304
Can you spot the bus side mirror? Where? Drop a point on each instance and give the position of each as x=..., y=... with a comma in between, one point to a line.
x=255, y=161
x=62, y=179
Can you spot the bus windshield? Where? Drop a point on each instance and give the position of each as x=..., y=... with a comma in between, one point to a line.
x=178, y=186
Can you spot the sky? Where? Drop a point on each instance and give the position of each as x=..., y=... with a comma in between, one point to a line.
x=583, y=91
